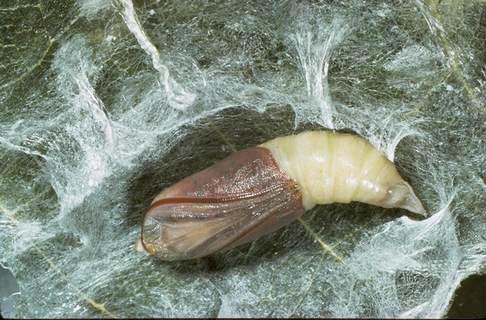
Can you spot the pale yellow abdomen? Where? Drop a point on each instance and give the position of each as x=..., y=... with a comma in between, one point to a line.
x=337, y=167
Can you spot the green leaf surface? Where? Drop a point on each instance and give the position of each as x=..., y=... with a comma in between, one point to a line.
x=103, y=104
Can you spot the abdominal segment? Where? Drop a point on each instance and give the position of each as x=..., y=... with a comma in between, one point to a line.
x=332, y=167
x=237, y=200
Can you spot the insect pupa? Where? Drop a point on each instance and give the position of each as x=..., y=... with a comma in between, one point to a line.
x=260, y=189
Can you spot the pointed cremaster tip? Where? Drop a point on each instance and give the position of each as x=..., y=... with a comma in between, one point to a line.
x=412, y=203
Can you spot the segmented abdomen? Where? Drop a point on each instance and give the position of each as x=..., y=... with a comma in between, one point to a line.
x=334, y=167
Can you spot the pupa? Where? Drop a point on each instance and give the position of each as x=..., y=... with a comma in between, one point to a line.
x=260, y=189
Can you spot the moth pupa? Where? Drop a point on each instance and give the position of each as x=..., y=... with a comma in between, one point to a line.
x=258, y=190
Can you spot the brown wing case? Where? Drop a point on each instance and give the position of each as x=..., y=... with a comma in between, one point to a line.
x=236, y=200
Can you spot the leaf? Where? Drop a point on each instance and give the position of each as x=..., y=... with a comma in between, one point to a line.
x=89, y=135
